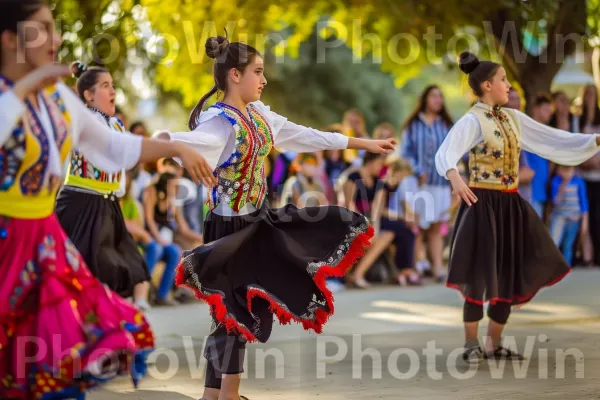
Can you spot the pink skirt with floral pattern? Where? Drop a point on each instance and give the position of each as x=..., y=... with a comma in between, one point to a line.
x=61, y=331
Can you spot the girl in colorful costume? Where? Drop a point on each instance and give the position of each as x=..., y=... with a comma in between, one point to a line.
x=88, y=205
x=501, y=252
x=59, y=326
x=260, y=261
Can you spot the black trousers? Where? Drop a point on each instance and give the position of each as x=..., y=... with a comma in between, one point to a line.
x=498, y=312
x=593, y=192
x=225, y=354
x=404, y=239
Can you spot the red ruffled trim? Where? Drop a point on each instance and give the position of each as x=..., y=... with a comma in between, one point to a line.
x=219, y=310
x=516, y=300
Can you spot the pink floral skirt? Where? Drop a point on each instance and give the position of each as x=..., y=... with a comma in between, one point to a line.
x=61, y=331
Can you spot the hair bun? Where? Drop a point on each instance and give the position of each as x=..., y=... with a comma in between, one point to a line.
x=468, y=62
x=216, y=46
x=78, y=68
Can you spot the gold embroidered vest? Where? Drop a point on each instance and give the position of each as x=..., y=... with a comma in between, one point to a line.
x=494, y=163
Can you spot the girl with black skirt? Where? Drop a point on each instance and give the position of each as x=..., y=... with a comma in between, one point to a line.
x=501, y=252
x=259, y=261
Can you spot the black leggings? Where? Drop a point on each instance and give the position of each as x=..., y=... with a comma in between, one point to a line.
x=498, y=312
x=404, y=239
x=225, y=354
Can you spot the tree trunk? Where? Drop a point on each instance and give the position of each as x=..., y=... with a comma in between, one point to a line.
x=535, y=73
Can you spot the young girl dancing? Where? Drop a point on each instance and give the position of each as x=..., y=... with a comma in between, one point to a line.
x=60, y=328
x=260, y=261
x=501, y=251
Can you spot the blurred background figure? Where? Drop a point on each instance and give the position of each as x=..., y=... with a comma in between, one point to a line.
x=424, y=132
x=542, y=113
x=353, y=125
x=569, y=212
x=304, y=188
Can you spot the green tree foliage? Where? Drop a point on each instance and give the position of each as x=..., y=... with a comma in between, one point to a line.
x=531, y=37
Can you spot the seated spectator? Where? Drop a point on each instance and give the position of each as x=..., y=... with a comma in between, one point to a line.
x=162, y=220
x=304, y=188
x=188, y=235
x=362, y=185
x=569, y=213
x=394, y=222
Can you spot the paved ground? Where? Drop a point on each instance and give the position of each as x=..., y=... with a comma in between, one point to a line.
x=392, y=343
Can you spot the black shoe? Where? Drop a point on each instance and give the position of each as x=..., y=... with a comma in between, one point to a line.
x=502, y=353
x=473, y=355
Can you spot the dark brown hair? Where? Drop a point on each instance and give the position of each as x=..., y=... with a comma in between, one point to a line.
x=86, y=76
x=227, y=56
x=162, y=183
x=12, y=12
x=370, y=157
x=478, y=71
x=422, y=106
x=542, y=98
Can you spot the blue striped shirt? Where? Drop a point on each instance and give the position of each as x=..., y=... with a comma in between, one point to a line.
x=574, y=199
x=420, y=143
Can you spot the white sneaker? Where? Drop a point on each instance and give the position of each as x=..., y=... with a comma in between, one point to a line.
x=422, y=265
x=142, y=305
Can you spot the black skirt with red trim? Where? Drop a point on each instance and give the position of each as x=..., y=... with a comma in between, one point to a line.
x=273, y=262
x=501, y=251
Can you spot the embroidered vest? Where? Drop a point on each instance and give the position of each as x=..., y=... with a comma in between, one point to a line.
x=84, y=174
x=25, y=155
x=241, y=179
x=494, y=163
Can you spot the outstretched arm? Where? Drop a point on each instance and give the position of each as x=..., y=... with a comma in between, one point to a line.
x=293, y=137
x=113, y=151
x=556, y=145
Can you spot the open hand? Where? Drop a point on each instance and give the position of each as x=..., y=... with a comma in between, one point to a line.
x=196, y=165
x=382, y=146
x=461, y=189
x=39, y=79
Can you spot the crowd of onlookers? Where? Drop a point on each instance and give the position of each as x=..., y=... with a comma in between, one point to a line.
x=409, y=204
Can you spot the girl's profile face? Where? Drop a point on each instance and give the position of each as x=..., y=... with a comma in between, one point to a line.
x=252, y=81
x=498, y=87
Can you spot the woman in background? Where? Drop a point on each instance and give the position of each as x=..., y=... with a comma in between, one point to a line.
x=424, y=132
